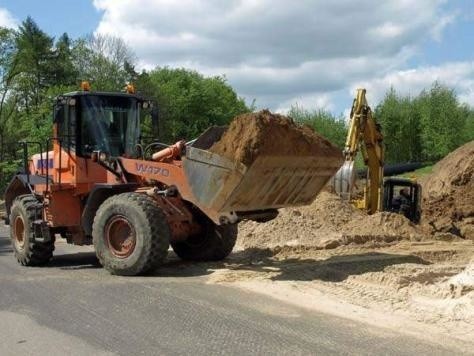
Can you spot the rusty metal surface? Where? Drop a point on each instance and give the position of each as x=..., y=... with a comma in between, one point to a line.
x=270, y=182
x=120, y=236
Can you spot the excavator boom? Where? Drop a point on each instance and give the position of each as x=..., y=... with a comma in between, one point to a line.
x=364, y=134
x=380, y=194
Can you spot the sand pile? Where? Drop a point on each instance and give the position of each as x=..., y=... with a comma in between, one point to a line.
x=382, y=224
x=327, y=223
x=448, y=193
x=253, y=134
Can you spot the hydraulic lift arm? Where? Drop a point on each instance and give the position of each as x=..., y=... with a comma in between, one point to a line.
x=364, y=134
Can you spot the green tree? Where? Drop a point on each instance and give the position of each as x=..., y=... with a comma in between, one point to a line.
x=64, y=72
x=468, y=133
x=425, y=127
x=400, y=126
x=105, y=61
x=8, y=72
x=332, y=127
x=442, y=119
x=188, y=102
x=34, y=53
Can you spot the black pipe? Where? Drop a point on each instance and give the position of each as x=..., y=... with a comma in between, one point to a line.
x=395, y=169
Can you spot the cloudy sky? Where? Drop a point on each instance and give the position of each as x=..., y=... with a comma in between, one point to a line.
x=312, y=53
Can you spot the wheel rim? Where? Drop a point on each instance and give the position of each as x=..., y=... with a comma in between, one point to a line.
x=120, y=237
x=19, y=232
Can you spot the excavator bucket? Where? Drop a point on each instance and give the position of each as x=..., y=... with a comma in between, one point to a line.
x=269, y=182
x=344, y=180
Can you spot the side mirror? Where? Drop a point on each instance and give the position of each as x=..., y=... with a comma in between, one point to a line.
x=155, y=122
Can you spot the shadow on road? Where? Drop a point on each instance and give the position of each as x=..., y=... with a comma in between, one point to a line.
x=332, y=269
x=174, y=267
x=80, y=260
x=254, y=260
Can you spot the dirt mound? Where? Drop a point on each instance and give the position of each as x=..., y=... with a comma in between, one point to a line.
x=253, y=134
x=382, y=223
x=454, y=170
x=307, y=225
x=328, y=223
x=448, y=193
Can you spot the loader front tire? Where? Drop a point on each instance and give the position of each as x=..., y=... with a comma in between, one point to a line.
x=130, y=234
x=28, y=251
x=213, y=243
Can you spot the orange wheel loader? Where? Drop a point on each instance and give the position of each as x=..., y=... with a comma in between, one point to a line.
x=99, y=185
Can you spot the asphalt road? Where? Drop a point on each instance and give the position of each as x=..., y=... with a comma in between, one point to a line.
x=74, y=307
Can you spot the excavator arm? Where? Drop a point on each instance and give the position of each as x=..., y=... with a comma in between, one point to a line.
x=364, y=134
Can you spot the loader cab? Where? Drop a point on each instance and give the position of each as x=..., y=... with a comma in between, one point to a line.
x=96, y=121
x=402, y=196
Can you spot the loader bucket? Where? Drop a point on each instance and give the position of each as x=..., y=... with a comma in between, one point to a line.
x=270, y=182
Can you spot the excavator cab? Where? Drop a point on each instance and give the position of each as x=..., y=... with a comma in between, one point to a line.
x=402, y=196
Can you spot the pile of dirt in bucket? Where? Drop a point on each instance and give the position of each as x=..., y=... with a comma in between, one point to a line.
x=264, y=133
x=327, y=223
x=448, y=194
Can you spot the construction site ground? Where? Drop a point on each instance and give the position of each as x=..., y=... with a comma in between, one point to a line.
x=414, y=287
x=380, y=269
x=420, y=289
x=74, y=307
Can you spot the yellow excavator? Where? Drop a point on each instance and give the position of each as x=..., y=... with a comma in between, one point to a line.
x=399, y=195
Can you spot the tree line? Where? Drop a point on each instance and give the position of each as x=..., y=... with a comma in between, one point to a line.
x=35, y=68
x=420, y=128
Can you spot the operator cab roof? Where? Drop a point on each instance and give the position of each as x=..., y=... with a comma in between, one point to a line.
x=100, y=93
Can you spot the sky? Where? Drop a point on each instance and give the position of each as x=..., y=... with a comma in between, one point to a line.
x=310, y=53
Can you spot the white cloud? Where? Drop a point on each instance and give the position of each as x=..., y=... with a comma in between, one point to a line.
x=444, y=21
x=6, y=19
x=316, y=100
x=457, y=75
x=388, y=30
x=277, y=51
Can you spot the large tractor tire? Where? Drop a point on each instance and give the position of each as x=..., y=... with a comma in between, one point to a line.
x=28, y=251
x=213, y=243
x=130, y=234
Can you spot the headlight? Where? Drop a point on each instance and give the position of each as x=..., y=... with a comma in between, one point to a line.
x=102, y=157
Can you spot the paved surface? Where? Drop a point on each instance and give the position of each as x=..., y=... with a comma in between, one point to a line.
x=74, y=307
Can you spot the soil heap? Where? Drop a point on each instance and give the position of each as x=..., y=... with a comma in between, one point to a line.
x=448, y=193
x=327, y=223
x=263, y=132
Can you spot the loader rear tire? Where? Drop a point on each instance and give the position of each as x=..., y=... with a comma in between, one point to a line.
x=213, y=243
x=28, y=251
x=130, y=234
